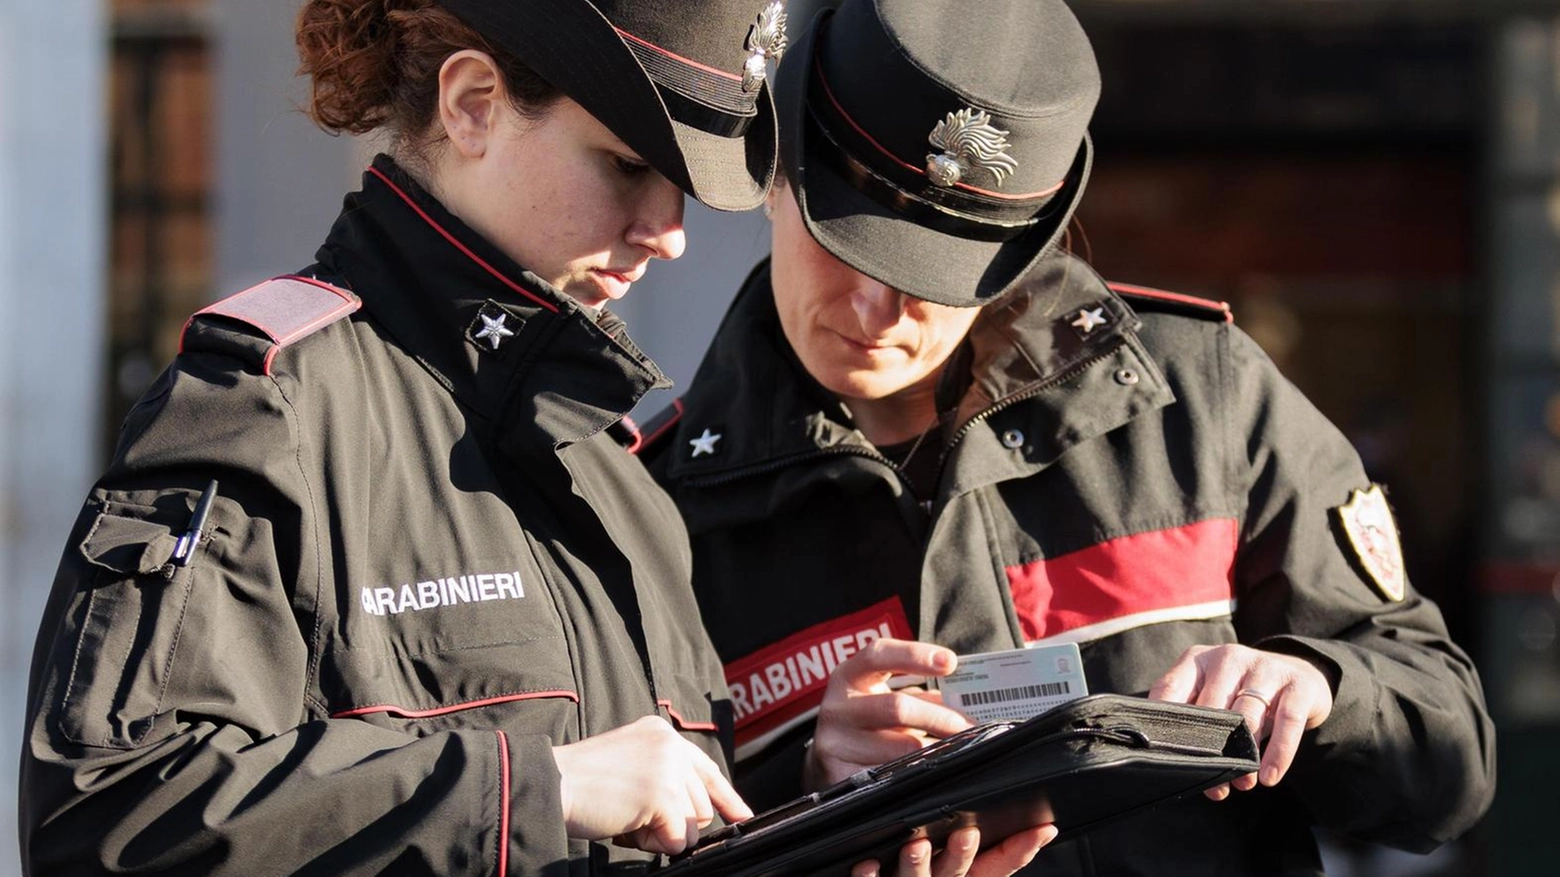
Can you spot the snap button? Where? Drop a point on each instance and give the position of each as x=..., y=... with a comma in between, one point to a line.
x=1126, y=377
x=1012, y=440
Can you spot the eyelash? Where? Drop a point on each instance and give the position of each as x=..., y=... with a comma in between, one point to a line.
x=629, y=167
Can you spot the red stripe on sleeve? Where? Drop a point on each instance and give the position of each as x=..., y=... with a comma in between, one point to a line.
x=1148, y=572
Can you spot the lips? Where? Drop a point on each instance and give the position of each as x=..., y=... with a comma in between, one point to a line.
x=613, y=283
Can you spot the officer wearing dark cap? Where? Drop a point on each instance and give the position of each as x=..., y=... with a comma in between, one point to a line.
x=925, y=431
x=370, y=586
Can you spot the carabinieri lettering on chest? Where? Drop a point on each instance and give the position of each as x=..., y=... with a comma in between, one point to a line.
x=438, y=593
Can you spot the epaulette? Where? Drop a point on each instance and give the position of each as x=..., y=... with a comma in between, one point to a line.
x=1174, y=302
x=283, y=310
x=641, y=439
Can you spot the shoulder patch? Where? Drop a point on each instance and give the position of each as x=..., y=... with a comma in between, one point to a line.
x=655, y=430
x=283, y=309
x=1174, y=302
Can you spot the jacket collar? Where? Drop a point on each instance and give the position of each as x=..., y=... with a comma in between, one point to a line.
x=1034, y=347
x=491, y=332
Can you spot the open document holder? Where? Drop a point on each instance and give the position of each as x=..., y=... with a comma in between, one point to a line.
x=1078, y=765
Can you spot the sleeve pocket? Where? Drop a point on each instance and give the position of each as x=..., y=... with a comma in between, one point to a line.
x=127, y=623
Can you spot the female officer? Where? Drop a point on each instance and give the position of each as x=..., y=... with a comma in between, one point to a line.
x=920, y=422
x=367, y=586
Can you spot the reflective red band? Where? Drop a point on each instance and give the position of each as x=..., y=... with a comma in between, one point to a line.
x=772, y=686
x=405, y=713
x=1152, y=575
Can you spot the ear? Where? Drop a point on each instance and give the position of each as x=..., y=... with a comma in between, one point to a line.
x=471, y=96
x=772, y=198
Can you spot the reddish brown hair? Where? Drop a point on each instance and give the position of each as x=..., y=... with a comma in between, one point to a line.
x=375, y=64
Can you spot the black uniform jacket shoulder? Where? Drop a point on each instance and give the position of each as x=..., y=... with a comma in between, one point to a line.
x=427, y=564
x=1135, y=482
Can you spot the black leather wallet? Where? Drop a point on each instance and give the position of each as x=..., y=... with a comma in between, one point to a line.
x=1079, y=765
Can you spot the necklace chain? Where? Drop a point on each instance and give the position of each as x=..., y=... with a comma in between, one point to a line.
x=917, y=446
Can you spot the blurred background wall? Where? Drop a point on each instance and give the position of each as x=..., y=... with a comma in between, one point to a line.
x=1372, y=184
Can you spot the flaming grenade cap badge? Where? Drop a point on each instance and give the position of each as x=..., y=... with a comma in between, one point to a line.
x=968, y=142
x=766, y=40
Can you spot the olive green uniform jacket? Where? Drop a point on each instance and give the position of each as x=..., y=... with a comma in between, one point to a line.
x=1137, y=481
x=429, y=562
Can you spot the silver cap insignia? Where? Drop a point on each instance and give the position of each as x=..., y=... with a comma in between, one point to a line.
x=968, y=142
x=766, y=41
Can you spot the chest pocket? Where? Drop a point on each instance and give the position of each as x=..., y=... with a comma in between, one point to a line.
x=125, y=621
x=474, y=629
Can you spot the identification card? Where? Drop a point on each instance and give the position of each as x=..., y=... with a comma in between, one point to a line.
x=1014, y=685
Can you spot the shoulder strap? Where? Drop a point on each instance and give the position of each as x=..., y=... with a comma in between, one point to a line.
x=283, y=310
x=1146, y=298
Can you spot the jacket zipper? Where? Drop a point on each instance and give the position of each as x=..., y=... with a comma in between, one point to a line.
x=1032, y=391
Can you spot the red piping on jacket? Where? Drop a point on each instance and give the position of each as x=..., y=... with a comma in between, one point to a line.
x=405, y=713
x=633, y=430
x=684, y=723
x=503, y=806
x=1178, y=298
x=661, y=430
x=828, y=92
x=462, y=247
x=676, y=57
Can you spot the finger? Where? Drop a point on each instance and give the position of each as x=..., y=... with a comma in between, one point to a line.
x=722, y=796
x=1180, y=682
x=1013, y=853
x=897, y=711
x=1224, y=671
x=1290, y=715
x=958, y=853
x=1218, y=793
x=1244, y=782
x=870, y=668
x=699, y=798
x=869, y=868
x=865, y=748
x=692, y=837
x=915, y=859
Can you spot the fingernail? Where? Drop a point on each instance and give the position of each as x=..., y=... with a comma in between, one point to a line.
x=943, y=661
x=1269, y=775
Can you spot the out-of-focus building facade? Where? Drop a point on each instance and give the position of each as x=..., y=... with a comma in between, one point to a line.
x=1374, y=185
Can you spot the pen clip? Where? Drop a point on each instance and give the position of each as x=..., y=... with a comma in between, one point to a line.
x=184, y=549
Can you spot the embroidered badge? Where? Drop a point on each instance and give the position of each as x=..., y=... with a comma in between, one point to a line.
x=704, y=445
x=968, y=142
x=1367, y=520
x=494, y=323
x=766, y=41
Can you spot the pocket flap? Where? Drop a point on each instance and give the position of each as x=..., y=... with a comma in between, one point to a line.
x=128, y=546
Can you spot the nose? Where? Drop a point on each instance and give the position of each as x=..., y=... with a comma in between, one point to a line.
x=659, y=224
x=878, y=307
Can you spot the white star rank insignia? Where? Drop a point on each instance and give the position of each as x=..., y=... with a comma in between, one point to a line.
x=494, y=330
x=705, y=444
x=1089, y=320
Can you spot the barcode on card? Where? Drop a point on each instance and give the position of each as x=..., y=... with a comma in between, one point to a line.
x=1022, y=692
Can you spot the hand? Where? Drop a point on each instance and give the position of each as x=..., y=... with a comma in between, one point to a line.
x=644, y=785
x=1281, y=697
x=958, y=857
x=862, y=723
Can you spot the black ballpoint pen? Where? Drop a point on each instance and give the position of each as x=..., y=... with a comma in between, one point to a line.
x=184, y=549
